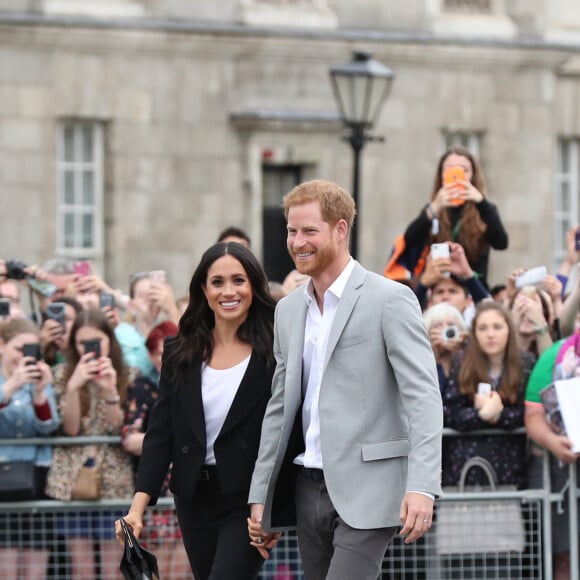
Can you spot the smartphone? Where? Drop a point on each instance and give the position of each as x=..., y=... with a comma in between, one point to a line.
x=531, y=277
x=158, y=276
x=4, y=306
x=55, y=311
x=451, y=176
x=106, y=299
x=439, y=251
x=31, y=349
x=83, y=268
x=577, y=237
x=483, y=388
x=93, y=346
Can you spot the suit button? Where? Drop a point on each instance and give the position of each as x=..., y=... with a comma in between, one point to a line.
x=185, y=449
x=243, y=445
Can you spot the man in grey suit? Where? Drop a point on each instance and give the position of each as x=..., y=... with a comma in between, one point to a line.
x=351, y=439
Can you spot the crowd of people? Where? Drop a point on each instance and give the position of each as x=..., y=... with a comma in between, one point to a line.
x=242, y=404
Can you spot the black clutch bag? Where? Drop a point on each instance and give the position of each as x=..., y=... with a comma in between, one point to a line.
x=137, y=563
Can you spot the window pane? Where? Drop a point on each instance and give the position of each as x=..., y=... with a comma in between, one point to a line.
x=88, y=233
x=69, y=187
x=69, y=230
x=88, y=188
x=565, y=197
x=69, y=143
x=88, y=143
x=565, y=156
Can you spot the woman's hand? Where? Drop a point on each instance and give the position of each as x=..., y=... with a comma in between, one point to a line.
x=562, y=447
x=531, y=310
x=491, y=408
x=27, y=371
x=106, y=377
x=134, y=520
x=51, y=332
x=45, y=380
x=85, y=371
x=468, y=192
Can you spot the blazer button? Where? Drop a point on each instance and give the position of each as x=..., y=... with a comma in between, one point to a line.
x=185, y=449
x=243, y=445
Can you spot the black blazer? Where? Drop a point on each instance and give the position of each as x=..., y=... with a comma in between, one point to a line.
x=176, y=433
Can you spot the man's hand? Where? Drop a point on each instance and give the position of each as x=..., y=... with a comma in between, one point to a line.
x=459, y=265
x=416, y=516
x=261, y=540
x=434, y=271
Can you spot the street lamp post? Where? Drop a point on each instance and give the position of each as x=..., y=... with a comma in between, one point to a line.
x=361, y=88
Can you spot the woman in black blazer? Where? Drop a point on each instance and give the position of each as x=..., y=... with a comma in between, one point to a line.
x=215, y=383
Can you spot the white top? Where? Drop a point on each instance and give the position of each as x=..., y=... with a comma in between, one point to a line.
x=218, y=389
x=316, y=333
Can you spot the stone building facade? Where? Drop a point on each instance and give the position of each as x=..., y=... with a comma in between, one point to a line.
x=133, y=131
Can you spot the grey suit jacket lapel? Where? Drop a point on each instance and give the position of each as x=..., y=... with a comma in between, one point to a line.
x=346, y=305
x=296, y=341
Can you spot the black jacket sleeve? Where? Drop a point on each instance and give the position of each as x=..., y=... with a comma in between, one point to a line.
x=495, y=234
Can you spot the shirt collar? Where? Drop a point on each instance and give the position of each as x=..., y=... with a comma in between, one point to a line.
x=336, y=288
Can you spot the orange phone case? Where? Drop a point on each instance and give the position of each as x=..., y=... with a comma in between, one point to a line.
x=451, y=175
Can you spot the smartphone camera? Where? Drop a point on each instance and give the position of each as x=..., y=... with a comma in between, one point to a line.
x=93, y=346
x=32, y=350
x=450, y=333
x=56, y=311
x=106, y=299
x=4, y=307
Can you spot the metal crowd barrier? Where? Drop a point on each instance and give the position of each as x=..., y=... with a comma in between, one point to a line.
x=418, y=561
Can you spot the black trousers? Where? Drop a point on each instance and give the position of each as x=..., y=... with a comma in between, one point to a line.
x=215, y=534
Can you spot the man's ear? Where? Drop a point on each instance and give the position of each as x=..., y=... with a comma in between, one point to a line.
x=341, y=229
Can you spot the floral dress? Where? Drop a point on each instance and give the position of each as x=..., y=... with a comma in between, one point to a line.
x=506, y=453
x=114, y=462
x=143, y=393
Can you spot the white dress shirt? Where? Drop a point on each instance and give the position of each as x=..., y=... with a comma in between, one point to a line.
x=316, y=333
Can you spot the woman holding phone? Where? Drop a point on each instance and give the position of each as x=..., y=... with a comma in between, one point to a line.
x=485, y=390
x=459, y=211
x=91, y=390
x=27, y=409
x=215, y=383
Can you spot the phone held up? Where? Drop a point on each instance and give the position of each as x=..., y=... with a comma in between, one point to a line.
x=440, y=251
x=106, y=299
x=577, y=238
x=531, y=277
x=56, y=311
x=483, y=389
x=4, y=306
x=83, y=268
x=452, y=176
x=93, y=346
x=31, y=349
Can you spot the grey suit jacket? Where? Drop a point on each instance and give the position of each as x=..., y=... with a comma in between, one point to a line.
x=380, y=408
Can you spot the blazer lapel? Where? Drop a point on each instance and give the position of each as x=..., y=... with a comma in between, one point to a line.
x=254, y=386
x=191, y=403
x=346, y=305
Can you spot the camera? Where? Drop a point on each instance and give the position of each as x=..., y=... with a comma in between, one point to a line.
x=15, y=270
x=449, y=333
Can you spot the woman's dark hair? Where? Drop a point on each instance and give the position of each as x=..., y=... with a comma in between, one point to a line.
x=95, y=318
x=194, y=341
x=471, y=232
x=475, y=366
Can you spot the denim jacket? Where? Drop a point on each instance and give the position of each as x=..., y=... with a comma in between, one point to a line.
x=18, y=420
